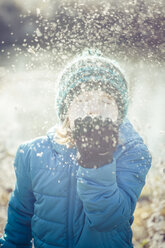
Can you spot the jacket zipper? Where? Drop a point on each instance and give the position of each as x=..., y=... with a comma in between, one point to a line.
x=71, y=208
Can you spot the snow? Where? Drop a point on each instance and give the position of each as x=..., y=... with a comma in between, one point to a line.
x=29, y=73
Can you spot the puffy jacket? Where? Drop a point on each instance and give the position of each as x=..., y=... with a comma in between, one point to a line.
x=58, y=203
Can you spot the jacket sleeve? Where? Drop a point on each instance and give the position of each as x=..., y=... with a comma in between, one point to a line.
x=17, y=231
x=109, y=193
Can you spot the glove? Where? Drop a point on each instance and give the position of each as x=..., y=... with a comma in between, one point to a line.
x=96, y=140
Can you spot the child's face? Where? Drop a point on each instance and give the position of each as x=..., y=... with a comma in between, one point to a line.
x=93, y=103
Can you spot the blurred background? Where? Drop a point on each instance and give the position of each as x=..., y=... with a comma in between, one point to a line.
x=38, y=38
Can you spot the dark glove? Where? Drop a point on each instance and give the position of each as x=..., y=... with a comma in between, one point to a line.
x=96, y=140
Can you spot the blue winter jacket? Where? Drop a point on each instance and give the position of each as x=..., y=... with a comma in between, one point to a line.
x=61, y=204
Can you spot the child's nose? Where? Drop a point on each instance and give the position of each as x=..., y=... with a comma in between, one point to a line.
x=93, y=108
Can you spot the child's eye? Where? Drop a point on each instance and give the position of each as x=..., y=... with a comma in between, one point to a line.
x=79, y=101
x=106, y=102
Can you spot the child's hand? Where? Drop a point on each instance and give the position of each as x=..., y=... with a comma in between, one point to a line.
x=96, y=140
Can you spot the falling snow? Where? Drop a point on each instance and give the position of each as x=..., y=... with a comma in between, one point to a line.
x=38, y=38
x=39, y=154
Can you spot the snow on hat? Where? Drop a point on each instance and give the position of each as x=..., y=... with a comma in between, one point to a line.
x=90, y=71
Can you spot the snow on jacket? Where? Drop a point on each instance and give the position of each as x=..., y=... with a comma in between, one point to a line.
x=61, y=204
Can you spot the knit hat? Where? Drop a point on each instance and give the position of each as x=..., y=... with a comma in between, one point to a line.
x=91, y=71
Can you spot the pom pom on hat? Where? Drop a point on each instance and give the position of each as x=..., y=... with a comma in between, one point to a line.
x=88, y=71
x=91, y=52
